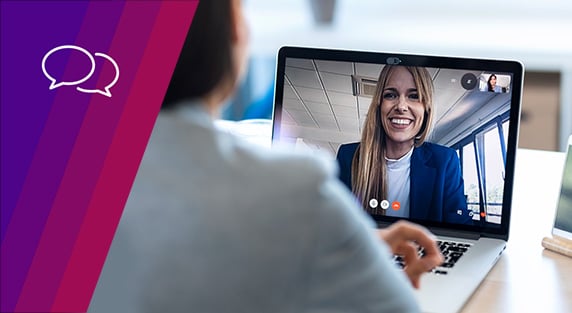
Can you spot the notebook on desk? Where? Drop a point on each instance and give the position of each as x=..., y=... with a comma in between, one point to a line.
x=463, y=116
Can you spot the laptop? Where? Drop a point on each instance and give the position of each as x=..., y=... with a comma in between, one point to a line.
x=322, y=98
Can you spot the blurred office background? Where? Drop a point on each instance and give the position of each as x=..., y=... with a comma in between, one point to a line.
x=537, y=33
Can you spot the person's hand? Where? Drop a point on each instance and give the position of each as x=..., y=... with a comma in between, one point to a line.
x=404, y=238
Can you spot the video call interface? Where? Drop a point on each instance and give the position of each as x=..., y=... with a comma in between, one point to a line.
x=325, y=104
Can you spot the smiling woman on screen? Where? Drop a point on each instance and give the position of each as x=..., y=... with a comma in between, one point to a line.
x=393, y=162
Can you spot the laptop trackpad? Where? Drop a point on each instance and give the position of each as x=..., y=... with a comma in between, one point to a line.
x=448, y=292
x=445, y=298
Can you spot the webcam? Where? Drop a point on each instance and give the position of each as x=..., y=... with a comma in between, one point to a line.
x=393, y=60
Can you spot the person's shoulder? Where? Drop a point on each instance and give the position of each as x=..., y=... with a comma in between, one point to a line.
x=349, y=146
x=302, y=185
x=283, y=165
x=303, y=165
x=437, y=148
x=347, y=149
x=432, y=150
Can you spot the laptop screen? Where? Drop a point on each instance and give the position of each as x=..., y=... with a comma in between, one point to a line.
x=425, y=138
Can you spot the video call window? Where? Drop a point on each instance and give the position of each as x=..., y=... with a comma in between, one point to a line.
x=325, y=105
x=491, y=82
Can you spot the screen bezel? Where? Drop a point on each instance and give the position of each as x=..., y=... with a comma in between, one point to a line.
x=555, y=230
x=508, y=66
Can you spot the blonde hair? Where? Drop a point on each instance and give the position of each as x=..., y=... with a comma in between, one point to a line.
x=369, y=170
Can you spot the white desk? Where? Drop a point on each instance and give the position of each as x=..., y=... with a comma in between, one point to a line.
x=528, y=278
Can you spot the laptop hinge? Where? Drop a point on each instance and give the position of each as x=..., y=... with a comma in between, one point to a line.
x=443, y=231
x=454, y=233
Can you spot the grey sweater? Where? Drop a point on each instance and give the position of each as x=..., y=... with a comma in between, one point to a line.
x=215, y=224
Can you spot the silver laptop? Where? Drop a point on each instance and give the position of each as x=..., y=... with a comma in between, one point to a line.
x=459, y=181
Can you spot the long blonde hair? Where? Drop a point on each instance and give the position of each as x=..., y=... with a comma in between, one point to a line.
x=369, y=170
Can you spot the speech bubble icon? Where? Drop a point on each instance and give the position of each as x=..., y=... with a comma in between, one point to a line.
x=54, y=83
x=106, y=91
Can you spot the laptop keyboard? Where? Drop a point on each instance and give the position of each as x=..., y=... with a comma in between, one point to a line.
x=452, y=252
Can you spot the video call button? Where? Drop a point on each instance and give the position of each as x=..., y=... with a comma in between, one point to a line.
x=469, y=81
x=384, y=204
x=373, y=203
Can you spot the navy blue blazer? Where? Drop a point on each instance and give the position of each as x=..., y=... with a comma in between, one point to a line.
x=437, y=190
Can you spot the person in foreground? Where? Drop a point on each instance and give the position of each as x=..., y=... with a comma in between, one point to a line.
x=249, y=229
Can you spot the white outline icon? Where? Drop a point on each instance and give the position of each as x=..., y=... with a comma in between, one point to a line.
x=106, y=92
x=54, y=84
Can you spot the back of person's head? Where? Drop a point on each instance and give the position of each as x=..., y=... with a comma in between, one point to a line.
x=206, y=57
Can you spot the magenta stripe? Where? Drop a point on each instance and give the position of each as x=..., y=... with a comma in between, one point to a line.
x=146, y=94
x=33, y=207
x=82, y=171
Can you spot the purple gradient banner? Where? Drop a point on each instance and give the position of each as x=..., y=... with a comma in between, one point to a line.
x=29, y=30
x=75, y=76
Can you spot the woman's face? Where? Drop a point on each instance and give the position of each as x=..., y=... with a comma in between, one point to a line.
x=401, y=110
x=493, y=80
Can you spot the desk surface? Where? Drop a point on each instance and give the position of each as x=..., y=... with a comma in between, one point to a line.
x=528, y=278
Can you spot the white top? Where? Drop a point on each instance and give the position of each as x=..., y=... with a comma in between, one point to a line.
x=398, y=184
x=215, y=224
